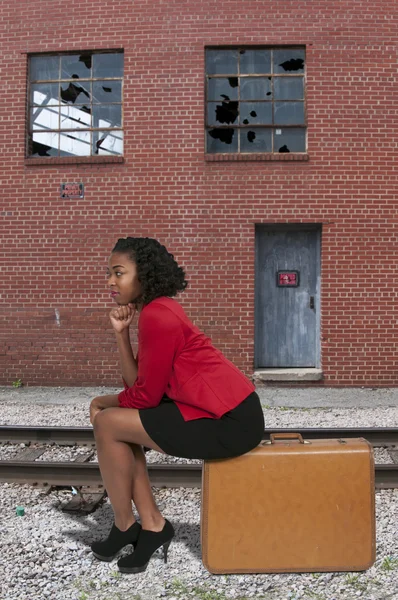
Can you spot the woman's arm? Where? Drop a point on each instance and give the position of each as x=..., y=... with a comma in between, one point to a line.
x=160, y=341
x=128, y=363
x=121, y=318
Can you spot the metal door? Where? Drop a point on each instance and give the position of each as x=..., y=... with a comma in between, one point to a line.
x=287, y=296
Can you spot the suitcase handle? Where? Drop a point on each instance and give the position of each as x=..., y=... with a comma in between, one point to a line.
x=286, y=436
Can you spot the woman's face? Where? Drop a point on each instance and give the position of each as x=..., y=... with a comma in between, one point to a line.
x=122, y=278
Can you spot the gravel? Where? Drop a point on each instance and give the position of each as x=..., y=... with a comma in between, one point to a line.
x=45, y=553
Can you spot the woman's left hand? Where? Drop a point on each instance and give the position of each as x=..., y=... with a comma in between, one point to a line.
x=101, y=402
x=95, y=408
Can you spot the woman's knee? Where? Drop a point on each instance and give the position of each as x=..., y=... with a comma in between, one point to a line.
x=102, y=424
x=111, y=424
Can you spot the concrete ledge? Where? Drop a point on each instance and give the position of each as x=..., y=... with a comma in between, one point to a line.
x=288, y=375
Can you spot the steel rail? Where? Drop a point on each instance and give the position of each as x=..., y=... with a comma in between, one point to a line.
x=47, y=435
x=77, y=474
x=377, y=436
x=161, y=475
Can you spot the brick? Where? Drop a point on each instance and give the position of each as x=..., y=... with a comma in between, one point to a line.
x=203, y=207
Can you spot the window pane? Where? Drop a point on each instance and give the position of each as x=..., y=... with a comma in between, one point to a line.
x=288, y=88
x=255, y=88
x=73, y=117
x=255, y=61
x=223, y=113
x=64, y=101
x=108, y=65
x=289, y=113
x=222, y=88
x=222, y=140
x=255, y=113
x=107, y=91
x=44, y=93
x=256, y=140
x=107, y=115
x=289, y=61
x=75, y=143
x=75, y=93
x=289, y=140
x=222, y=62
x=44, y=144
x=108, y=142
x=44, y=118
x=75, y=66
x=44, y=67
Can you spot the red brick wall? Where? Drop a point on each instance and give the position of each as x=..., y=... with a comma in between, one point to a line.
x=54, y=252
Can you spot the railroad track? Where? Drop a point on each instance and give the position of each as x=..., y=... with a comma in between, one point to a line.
x=161, y=475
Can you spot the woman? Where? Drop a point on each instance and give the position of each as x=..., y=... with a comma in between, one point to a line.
x=182, y=397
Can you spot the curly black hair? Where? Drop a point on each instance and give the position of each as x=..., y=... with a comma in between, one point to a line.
x=157, y=270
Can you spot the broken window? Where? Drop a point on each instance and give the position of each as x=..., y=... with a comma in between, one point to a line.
x=75, y=104
x=255, y=100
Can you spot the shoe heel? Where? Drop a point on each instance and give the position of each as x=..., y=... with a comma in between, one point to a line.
x=165, y=550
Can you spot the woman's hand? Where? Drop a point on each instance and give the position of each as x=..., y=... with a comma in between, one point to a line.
x=100, y=403
x=122, y=316
x=95, y=408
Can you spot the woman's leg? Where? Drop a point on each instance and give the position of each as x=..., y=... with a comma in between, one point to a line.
x=141, y=493
x=118, y=435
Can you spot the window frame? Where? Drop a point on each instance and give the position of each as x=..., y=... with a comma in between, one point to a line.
x=273, y=154
x=69, y=130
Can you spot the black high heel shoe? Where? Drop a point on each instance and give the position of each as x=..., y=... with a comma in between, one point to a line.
x=148, y=542
x=107, y=549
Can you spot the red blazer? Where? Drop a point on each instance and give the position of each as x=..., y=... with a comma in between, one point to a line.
x=175, y=358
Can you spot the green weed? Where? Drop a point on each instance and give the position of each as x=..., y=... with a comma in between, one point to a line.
x=389, y=563
x=355, y=582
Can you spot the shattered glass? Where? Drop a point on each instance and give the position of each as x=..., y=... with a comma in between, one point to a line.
x=288, y=60
x=255, y=88
x=44, y=144
x=75, y=66
x=290, y=140
x=255, y=113
x=44, y=93
x=256, y=140
x=108, y=142
x=107, y=91
x=222, y=88
x=222, y=140
x=75, y=93
x=224, y=113
x=107, y=115
x=69, y=106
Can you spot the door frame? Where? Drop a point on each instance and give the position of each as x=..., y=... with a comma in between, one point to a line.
x=289, y=227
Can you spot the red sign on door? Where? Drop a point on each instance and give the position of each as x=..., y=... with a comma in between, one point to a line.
x=287, y=278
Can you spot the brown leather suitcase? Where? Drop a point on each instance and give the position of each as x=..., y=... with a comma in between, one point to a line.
x=290, y=505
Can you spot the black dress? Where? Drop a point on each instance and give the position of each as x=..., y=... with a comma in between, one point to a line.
x=235, y=433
